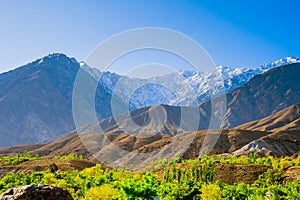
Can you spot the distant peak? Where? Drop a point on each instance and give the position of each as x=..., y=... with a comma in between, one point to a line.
x=281, y=62
x=222, y=67
x=187, y=73
x=293, y=59
x=287, y=60
x=56, y=57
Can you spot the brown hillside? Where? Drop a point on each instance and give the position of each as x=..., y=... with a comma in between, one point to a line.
x=278, y=134
x=286, y=119
x=136, y=151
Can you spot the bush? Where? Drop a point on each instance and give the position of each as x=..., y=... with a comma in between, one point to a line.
x=146, y=188
x=210, y=192
x=270, y=177
x=193, y=179
x=106, y=191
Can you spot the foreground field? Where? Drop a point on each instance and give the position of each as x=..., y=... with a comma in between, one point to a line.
x=203, y=178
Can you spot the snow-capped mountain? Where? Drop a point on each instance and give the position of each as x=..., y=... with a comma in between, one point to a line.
x=185, y=88
x=36, y=99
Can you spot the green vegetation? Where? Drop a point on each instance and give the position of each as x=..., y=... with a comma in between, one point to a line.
x=17, y=158
x=70, y=156
x=178, y=179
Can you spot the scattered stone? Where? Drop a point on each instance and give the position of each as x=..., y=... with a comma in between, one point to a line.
x=36, y=191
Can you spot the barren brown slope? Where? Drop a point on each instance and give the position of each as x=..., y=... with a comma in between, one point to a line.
x=287, y=142
x=137, y=151
x=284, y=137
x=19, y=148
x=286, y=119
x=164, y=119
x=278, y=143
x=69, y=144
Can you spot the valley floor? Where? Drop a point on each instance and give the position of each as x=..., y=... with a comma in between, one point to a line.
x=210, y=177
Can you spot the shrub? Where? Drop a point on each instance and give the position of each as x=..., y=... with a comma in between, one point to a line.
x=106, y=191
x=210, y=192
x=49, y=179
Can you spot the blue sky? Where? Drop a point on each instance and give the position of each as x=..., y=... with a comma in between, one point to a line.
x=234, y=33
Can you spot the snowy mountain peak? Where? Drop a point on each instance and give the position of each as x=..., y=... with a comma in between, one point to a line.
x=281, y=62
x=82, y=64
x=185, y=83
x=293, y=59
x=222, y=67
x=188, y=73
x=94, y=72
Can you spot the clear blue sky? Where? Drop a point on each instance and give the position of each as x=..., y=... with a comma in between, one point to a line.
x=235, y=33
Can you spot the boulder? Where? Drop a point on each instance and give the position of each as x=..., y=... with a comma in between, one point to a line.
x=36, y=191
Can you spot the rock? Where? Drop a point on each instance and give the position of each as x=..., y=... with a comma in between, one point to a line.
x=292, y=173
x=36, y=191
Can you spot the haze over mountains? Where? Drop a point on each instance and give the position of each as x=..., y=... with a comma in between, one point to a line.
x=36, y=99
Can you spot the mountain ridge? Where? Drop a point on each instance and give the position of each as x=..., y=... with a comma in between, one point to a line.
x=191, y=87
x=39, y=96
x=36, y=100
x=286, y=119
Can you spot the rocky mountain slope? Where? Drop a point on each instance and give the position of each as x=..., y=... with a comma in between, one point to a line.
x=264, y=95
x=36, y=100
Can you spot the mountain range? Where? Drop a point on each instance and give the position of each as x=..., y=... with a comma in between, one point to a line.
x=36, y=99
x=185, y=88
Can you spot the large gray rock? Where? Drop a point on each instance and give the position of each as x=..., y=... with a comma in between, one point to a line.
x=36, y=191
